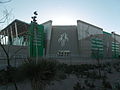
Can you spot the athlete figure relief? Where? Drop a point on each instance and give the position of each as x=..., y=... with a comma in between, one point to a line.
x=63, y=39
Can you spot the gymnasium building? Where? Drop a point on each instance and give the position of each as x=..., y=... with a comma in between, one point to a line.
x=83, y=40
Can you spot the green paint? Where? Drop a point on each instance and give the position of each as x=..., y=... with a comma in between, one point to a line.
x=97, y=48
x=106, y=33
x=115, y=50
x=36, y=40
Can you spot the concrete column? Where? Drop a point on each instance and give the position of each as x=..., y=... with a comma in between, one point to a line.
x=0, y=38
x=11, y=33
x=16, y=30
x=4, y=39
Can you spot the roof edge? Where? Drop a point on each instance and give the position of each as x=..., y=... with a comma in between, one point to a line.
x=89, y=24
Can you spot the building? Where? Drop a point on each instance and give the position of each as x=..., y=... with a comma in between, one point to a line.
x=83, y=40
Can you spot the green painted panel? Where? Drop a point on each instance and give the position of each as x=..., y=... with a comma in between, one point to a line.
x=36, y=40
x=107, y=33
x=115, y=50
x=97, y=48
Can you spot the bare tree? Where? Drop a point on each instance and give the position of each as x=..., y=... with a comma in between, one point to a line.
x=6, y=13
x=10, y=68
x=6, y=16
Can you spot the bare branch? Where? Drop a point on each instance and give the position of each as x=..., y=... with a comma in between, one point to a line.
x=6, y=15
x=4, y=18
x=4, y=1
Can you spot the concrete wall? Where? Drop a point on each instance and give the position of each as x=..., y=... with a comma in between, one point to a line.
x=17, y=55
x=47, y=29
x=64, y=38
x=86, y=30
x=85, y=33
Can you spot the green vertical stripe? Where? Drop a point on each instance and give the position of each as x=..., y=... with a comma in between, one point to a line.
x=36, y=40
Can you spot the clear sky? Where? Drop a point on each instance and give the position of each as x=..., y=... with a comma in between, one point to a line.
x=102, y=13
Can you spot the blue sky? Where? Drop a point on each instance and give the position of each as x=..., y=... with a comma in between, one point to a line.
x=102, y=13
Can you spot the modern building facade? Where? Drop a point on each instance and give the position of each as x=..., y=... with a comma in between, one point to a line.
x=83, y=40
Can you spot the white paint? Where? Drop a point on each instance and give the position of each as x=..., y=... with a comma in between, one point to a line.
x=16, y=30
x=48, y=29
x=11, y=33
x=116, y=37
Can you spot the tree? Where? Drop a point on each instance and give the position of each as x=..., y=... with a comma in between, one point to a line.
x=3, y=20
x=10, y=72
x=6, y=16
x=6, y=13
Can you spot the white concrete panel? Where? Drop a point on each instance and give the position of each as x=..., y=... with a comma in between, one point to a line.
x=48, y=28
x=85, y=29
x=116, y=37
x=16, y=30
